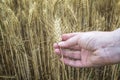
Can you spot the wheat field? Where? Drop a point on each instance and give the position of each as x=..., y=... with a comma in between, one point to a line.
x=28, y=29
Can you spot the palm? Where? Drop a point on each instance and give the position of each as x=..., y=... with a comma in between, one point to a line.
x=85, y=56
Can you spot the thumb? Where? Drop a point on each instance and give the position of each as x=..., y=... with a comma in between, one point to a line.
x=69, y=43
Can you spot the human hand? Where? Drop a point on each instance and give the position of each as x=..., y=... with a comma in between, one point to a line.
x=89, y=49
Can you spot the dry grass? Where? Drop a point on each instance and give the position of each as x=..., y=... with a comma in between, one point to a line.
x=28, y=29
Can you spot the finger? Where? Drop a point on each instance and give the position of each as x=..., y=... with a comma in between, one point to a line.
x=73, y=63
x=69, y=43
x=55, y=45
x=68, y=53
x=76, y=47
x=57, y=51
x=69, y=35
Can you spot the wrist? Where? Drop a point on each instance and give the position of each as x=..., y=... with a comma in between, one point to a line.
x=116, y=34
x=117, y=31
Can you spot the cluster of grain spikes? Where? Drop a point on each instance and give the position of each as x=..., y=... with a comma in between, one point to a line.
x=28, y=29
x=108, y=9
